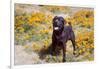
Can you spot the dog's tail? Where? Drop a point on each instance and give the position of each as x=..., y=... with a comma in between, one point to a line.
x=69, y=23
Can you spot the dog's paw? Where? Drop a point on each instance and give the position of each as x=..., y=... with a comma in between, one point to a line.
x=51, y=57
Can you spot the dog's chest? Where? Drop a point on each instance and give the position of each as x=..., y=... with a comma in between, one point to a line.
x=61, y=38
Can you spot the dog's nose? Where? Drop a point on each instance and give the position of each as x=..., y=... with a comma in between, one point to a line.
x=56, y=28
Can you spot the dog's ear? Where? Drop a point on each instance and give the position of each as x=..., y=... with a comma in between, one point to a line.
x=54, y=18
x=69, y=22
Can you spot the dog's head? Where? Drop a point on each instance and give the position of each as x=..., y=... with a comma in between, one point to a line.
x=58, y=23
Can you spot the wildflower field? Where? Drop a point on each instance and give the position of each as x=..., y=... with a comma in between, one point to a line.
x=33, y=32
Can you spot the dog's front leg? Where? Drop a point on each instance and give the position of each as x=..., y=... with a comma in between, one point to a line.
x=64, y=52
x=52, y=50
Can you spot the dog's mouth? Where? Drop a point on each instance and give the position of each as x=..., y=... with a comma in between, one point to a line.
x=56, y=28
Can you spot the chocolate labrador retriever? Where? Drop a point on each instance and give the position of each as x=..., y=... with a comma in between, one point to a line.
x=61, y=34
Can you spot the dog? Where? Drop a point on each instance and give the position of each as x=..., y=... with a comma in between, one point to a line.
x=61, y=34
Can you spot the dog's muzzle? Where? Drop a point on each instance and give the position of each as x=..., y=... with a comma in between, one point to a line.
x=56, y=28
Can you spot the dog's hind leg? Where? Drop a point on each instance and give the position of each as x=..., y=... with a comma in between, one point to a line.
x=74, y=48
x=64, y=53
x=72, y=38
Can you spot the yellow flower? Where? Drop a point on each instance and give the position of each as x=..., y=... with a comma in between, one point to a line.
x=27, y=37
x=83, y=49
x=44, y=31
x=21, y=30
x=17, y=34
x=26, y=46
x=36, y=47
x=80, y=51
x=87, y=46
x=46, y=43
x=92, y=46
x=78, y=45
